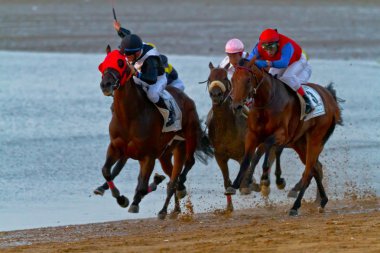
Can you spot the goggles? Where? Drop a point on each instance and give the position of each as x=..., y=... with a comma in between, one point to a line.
x=269, y=46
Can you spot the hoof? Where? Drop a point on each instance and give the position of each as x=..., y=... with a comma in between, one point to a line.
x=245, y=191
x=158, y=178
x=281, y=184
x=99, y=191
x=265, y=182
x=181, y=194
x=255, y=187
x=292, y=194
x=321, y=210
x=133, y=209
x=230, y=191
x=122, y=201
x=230, y=207
x=173, y=215
x=293, y=212
x=162, y=215
x=265, y=190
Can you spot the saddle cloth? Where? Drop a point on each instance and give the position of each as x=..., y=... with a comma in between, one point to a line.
x=316, y=100
x=173, y=106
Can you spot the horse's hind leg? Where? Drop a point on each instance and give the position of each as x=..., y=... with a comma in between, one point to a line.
x=146, y=168
x=179, y=160
x=181, y=188
x=280, y=182
x=314, y=147
x=114, y=173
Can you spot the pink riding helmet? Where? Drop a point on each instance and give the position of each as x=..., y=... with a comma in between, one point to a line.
x=234, y=46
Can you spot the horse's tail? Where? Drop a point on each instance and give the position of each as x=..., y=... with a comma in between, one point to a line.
x=204, y=149
x=338, y=112
x=338, y=119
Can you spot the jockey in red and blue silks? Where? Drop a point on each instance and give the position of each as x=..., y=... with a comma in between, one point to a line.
x=285, y=59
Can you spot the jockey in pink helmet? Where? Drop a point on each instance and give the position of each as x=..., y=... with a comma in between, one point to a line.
x=235, y=52
x=286, y=60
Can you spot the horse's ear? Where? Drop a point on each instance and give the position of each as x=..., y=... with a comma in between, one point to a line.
x=211, y=66
x=108, y=49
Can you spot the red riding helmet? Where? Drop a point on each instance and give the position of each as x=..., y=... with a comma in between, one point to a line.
x=269, y=36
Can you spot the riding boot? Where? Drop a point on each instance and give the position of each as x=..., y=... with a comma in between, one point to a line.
x=161, y=104
x=309, y=106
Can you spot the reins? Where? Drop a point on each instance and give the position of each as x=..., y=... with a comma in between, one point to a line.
x=255, y=89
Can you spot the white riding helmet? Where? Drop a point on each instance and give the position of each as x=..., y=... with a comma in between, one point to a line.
x=234, y=46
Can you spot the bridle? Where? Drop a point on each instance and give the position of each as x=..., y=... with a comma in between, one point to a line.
x=119, y=79
x=228, y=85
x=253, y=90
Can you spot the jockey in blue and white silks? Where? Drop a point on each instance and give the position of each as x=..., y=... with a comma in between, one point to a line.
x=149, y=70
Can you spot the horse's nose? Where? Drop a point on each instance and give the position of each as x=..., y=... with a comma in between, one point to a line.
x=103, y=85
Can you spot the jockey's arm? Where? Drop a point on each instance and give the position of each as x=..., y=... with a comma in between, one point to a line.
x=123, y=32
x=149, y=70
x=254, y=52
x=172, y=75
x=286, y=54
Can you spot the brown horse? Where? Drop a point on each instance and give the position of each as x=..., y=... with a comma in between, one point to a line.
x=275, y=120
x=227, y=131
x=136, y=132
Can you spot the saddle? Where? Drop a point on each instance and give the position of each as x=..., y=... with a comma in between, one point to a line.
x=316, y=99
x=173, y=106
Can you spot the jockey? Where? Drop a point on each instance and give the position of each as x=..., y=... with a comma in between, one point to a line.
x=235, y=52
x=172, y=74
x=148, y=68
x=286, y=59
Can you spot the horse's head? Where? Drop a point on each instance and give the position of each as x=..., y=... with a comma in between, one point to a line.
x=115, y=72
x=245, y=82
x=219, y=87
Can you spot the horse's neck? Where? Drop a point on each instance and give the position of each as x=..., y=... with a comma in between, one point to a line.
x=128, y=103
x=225, y=117
x=264, y=92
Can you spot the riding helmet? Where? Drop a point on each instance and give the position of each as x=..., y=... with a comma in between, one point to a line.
x=131, y=44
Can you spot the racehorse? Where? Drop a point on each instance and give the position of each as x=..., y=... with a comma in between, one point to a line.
x=227, y=131
x=274, y=119
x=136, y=132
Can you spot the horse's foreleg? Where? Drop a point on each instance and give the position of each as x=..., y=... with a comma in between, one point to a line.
x=265, y=177
x=146, y=169
x=249, y=183
x=250, y=147
x=114, y=173
x=223, y=166
x=112, y=156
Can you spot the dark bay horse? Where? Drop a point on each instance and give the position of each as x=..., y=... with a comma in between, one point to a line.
x=136, y=132
x=275, y=120
x=227, y=131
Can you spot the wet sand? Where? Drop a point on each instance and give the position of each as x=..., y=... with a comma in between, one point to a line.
x=349, y=226
x=329, y=29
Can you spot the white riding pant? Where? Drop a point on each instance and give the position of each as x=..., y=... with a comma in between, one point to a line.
x=153, y=91
x=178, y=84
x=297, y=73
